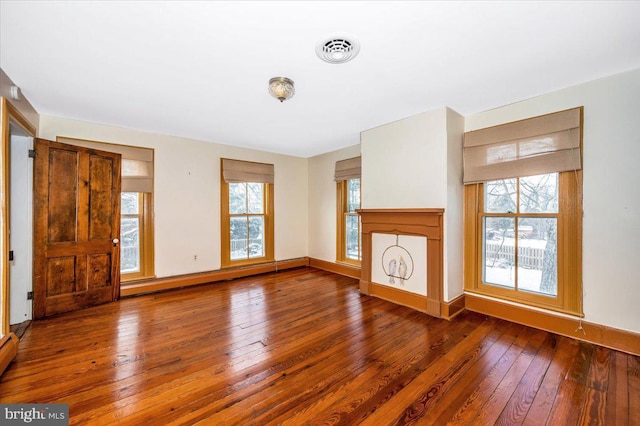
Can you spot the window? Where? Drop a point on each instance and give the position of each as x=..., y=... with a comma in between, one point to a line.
x=130, y=221
x=349, y=235
x=247, y=214
x=519, y=234
x=136, y=246
x=523, y=233
x=348, y=229
x=247, y=220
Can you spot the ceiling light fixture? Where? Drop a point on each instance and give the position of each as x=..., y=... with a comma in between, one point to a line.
x=281, y=88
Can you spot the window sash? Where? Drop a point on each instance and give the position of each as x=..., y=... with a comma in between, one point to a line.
x=137, y=247
x=248, y=241
x=138, y=215
x=145, y=240
x=358, y=243
x=517, y=262
x=249, y=211
x=344, y=211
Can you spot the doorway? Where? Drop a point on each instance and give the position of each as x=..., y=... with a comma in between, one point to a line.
x=18, y=131
x=20, y=227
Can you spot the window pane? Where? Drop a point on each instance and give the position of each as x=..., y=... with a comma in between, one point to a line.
x=130, y=245
x=498, y=251
x=255, y=194
x=539, y=194
x=256, y=236
x=500, y=196
x=353, y=197
x=537, y=256
x=129, y=203
x=237, y=198
x=239, y=249
x=352, y=233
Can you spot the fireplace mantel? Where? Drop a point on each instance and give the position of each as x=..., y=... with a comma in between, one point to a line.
x=416, y=222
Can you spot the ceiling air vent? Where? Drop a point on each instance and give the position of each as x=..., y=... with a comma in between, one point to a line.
x=337, y=50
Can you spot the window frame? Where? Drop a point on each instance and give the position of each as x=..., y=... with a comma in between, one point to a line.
x=342, y=203
x=225, y=219
x=569, y=248
x=145, y=215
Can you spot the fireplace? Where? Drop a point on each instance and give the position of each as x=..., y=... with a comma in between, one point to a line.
x=402, y=257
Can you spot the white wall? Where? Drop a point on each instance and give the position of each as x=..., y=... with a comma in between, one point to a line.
x=611, y=227
x=454, y=211
x=322, y=202
x=187, y=193
x=417, y=163
x=404, y=163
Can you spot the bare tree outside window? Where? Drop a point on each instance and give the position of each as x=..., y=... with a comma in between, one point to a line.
x=130, y=232
x=352, y=220
x=520, y=233
x=247, y=223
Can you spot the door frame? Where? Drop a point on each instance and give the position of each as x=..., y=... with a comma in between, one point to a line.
x=9, y=113
x=21, y=172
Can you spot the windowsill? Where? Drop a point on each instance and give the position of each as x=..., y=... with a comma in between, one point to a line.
x=134, y=280
x=246, y=262
x=352, y=264
x=523, y=303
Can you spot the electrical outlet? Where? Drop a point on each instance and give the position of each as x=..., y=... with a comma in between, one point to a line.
x=195, y=257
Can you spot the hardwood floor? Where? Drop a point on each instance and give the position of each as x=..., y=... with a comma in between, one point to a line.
x=304, y=347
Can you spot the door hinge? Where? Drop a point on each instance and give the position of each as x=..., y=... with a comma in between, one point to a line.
x=10, y=255
x=29, y=295
x=32, y=153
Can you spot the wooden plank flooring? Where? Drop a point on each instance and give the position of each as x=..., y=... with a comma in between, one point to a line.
x=304, y=347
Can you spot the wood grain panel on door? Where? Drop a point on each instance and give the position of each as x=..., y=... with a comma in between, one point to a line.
x=63, y=173
x=77, y=227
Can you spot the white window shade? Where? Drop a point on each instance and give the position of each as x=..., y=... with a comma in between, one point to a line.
x=348, y=169
x=546, y=144
x=136, y=165
x=246, y=171
x=137, y=176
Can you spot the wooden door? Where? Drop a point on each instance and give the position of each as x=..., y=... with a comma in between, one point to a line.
x=76, y=228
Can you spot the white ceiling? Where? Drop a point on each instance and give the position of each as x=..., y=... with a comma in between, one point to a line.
x=200, y=69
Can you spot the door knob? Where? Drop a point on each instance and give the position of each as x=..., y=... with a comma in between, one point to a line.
x=115, y=242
